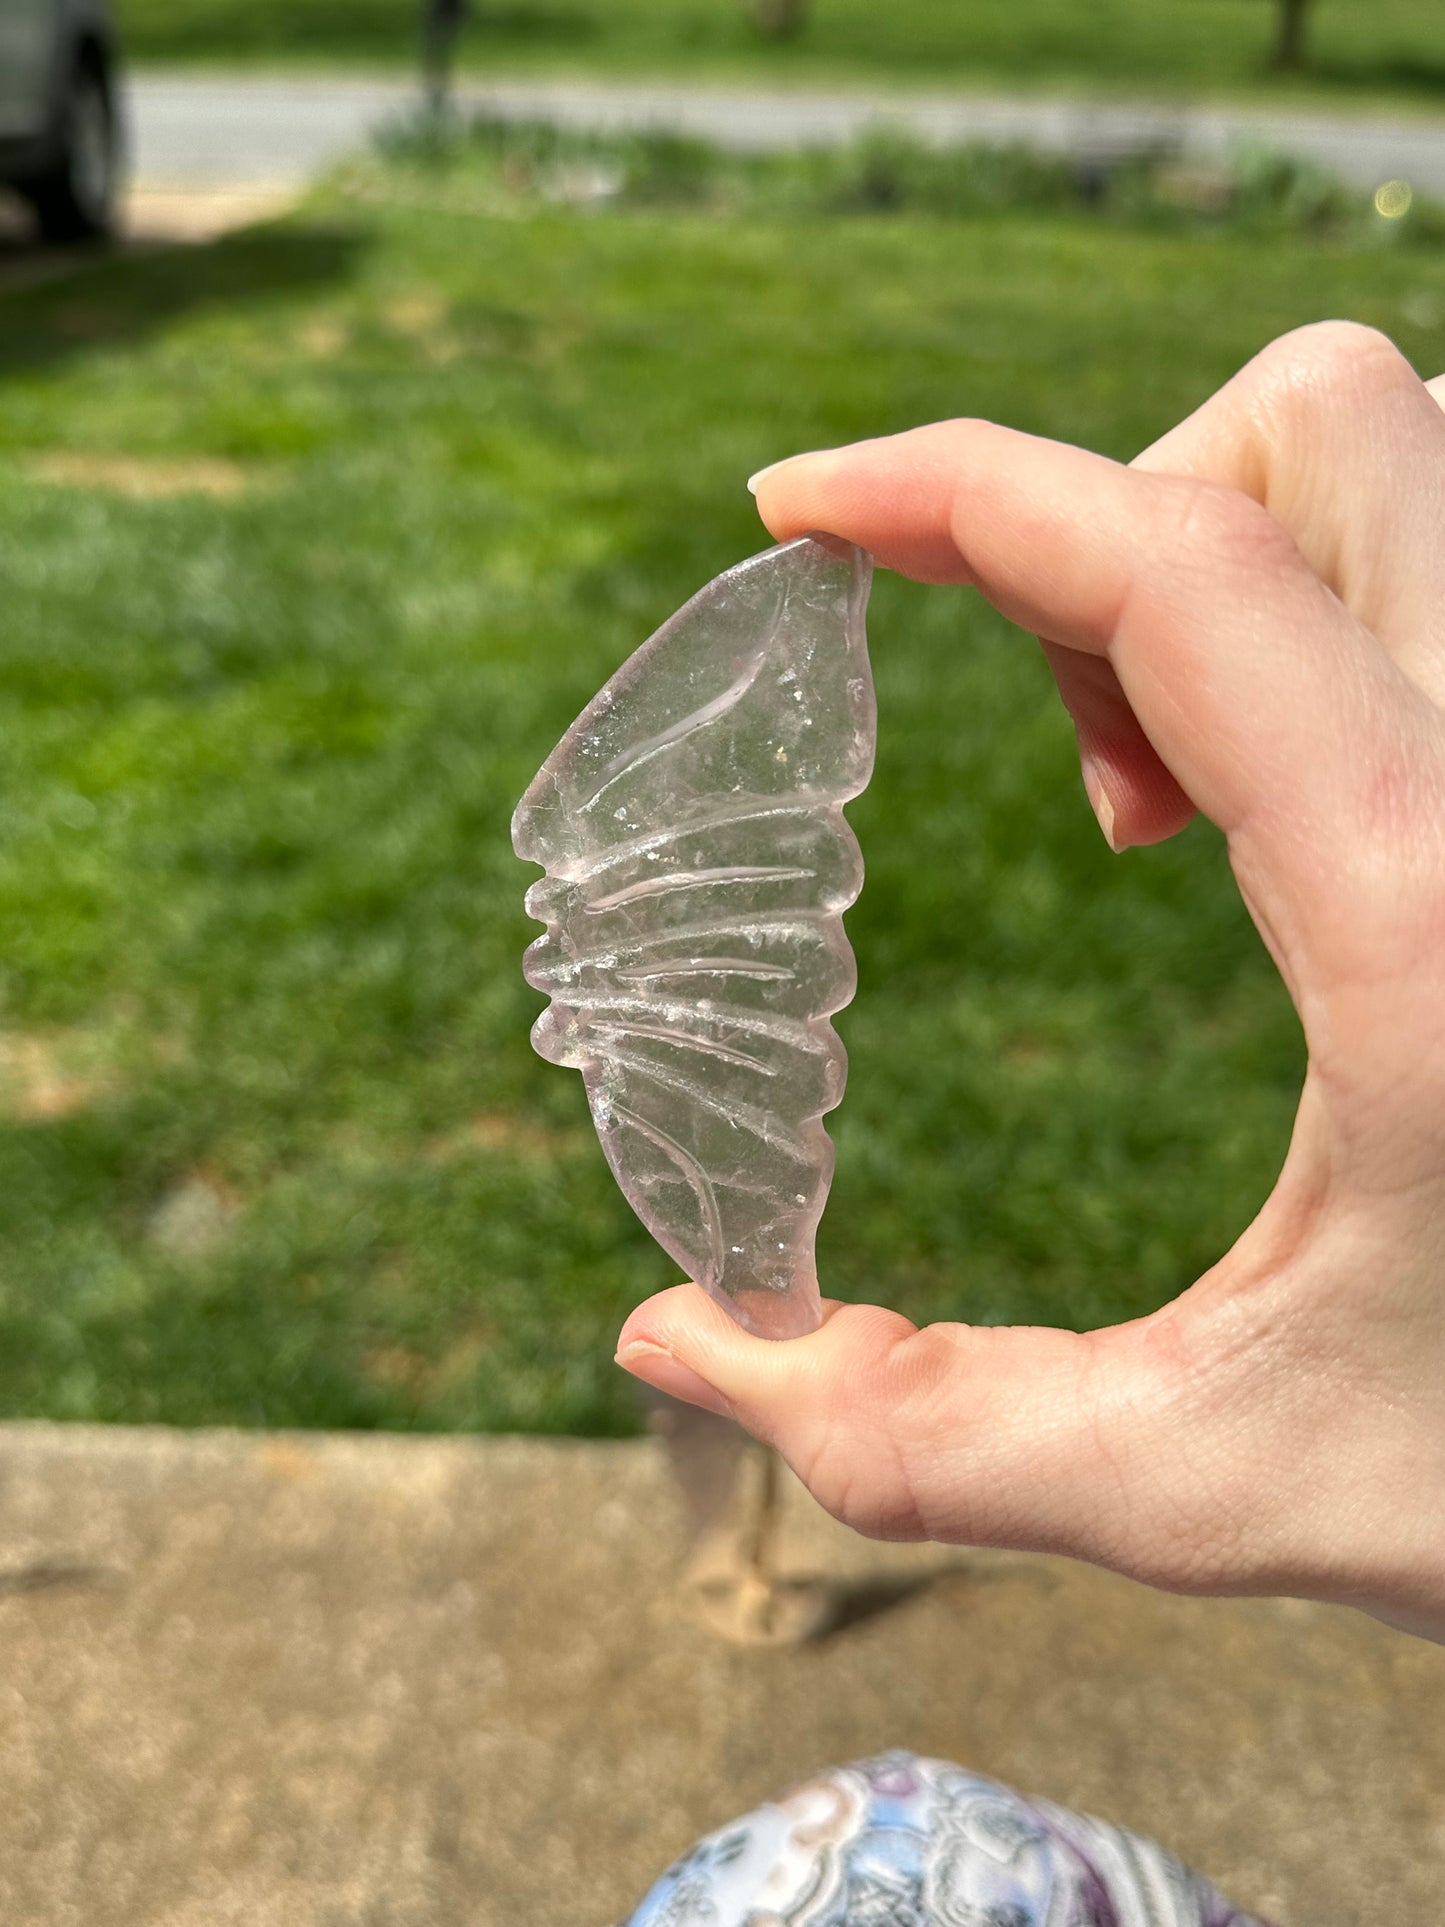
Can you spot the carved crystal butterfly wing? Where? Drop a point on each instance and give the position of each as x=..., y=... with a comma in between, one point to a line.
x=698, y=864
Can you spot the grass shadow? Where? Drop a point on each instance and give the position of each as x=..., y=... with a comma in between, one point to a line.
x=1419, y=76
x=342, y=29
x=115, y=299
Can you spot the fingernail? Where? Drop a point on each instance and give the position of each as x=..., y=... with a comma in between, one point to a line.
x=755, y=478
x=665, y=1373
x=1099, y=802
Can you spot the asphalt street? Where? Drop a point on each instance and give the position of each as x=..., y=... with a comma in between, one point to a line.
x=216, y=131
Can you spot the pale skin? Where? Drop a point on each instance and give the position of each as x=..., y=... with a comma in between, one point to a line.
x=1248, y=621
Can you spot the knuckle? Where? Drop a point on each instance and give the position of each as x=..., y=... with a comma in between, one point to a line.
x=855, y=1452
x=1211, y=521
x=1319, y=366
x=859, y=1477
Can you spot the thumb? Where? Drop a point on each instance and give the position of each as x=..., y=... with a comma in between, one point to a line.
x=1000, y=1435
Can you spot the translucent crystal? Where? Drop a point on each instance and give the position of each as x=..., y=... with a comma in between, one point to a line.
x=691, y=826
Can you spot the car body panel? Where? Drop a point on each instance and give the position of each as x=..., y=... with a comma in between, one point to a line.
x=40, y=41
x=28, y=30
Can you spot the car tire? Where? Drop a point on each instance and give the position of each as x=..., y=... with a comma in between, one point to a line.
x=75, y=198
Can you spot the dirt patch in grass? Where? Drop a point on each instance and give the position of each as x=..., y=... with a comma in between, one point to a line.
x=46, y=1077
x=427, y=1376
x=424, y=317
x=193, y=1217
x=144, y=477
x=323, y=337
x=417, y=314
x=202, y=214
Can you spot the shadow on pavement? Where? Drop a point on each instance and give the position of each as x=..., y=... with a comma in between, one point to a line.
x=59, y=305
x=866, y=1598
x=46, y=1576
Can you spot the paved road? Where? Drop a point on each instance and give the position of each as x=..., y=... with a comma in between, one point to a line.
x=215, y=131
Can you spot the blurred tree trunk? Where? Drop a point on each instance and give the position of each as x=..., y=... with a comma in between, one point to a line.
x=1289, y=44
x=780, y=19
x=441, y=24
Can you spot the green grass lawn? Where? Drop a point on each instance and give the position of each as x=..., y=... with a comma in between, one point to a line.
x=1392, y=48
x=313, y=542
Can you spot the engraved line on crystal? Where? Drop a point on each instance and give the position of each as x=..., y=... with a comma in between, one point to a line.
x=776, y=923
x=705, y=713
x=773, y=923
x=760, y=1124
x=812, y=804
x=692, y=1171
x=793, y=1033
x=688, y=1040
x=659, y=886
x=706, y=967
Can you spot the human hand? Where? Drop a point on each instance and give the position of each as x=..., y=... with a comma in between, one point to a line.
x=1248, y=621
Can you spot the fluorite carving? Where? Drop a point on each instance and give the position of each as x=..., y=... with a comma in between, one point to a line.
x=691, y=826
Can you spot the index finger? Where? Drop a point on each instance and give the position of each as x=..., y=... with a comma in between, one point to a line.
x=1270, y=703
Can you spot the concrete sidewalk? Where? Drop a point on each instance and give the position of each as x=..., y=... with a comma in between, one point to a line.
x=208, y=131
x=318, y=1682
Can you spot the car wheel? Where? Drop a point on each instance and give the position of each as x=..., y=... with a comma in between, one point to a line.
x=75, y=198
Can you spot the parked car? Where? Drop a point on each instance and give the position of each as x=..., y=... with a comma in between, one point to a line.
x=60, y=133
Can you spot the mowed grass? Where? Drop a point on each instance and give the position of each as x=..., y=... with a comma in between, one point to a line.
x=1393, y=48
x=313, y=542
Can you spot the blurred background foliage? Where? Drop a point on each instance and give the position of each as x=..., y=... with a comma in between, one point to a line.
x=316, y=538
x=495, y=167
x=1390, y=49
